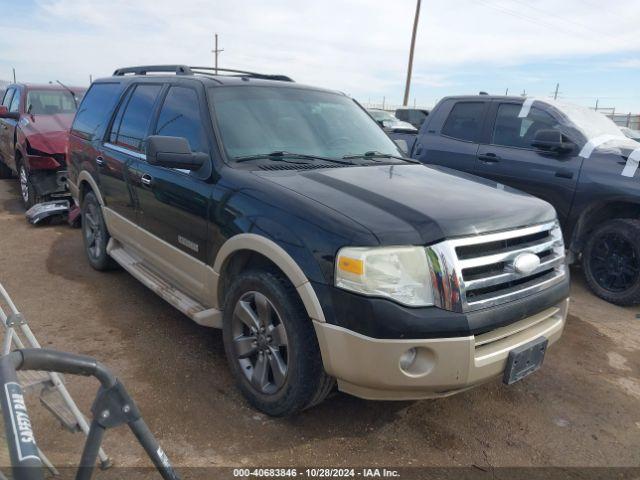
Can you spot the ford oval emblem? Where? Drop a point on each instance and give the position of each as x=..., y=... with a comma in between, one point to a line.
x=526, y=263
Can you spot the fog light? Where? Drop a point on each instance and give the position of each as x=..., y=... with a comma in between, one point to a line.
x=407, y=359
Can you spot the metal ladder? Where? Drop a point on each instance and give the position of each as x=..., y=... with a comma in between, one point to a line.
x=49, y=386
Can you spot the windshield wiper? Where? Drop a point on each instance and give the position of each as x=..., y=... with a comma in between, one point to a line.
x=73, y=95
x=281, y=156
x=372, y=154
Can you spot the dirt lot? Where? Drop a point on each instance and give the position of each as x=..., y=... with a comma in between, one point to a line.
x=581, y=409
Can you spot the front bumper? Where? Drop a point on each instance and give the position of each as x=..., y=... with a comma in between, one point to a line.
x=370, y=367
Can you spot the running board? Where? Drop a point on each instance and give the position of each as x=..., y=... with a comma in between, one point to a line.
x=207, y=317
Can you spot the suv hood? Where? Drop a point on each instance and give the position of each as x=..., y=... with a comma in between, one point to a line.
x=415, y=204
x=47, y=133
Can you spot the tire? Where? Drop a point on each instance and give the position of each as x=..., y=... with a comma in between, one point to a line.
x=611, y=261
x=5, y=172
x=95, y=234
x=266, y=300
x=27, y=190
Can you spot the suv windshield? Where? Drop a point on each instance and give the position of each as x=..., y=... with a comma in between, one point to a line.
x=50, y=102
x=260, y=120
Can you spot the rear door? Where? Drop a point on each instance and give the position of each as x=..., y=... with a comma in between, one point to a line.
x=124, y=148
x=509, y=158
x=174, y=204
x=6, y=133
x=452, y=135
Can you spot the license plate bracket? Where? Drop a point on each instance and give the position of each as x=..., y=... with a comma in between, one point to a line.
x=524, y=360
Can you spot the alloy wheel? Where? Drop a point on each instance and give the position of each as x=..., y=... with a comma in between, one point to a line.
x=24, y=184
x=260, y=342
x=92, y=230
x=615, y=263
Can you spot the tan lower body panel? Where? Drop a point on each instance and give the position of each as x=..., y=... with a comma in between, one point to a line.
x=370, y=368
x=188, y=274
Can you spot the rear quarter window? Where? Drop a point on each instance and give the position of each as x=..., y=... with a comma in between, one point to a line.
x=95, y=109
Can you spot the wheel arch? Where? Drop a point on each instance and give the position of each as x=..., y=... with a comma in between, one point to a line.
x=250, y=249
x=594, y=215
x=85, y=183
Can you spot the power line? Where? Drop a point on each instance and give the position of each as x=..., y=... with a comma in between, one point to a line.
x=537, y=21
x=554, y=16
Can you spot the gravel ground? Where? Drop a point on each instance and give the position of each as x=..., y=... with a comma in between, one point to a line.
x=581, y=409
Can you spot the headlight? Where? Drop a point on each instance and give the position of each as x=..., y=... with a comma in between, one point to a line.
x=399, y=273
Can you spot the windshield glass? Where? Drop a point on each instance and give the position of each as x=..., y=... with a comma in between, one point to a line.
x=259, y=120
x=589, y=122
x=50, y=102
x=382, y=115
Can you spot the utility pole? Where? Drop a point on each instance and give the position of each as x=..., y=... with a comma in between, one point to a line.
x=90, y=79
x=413, y=45
x=215, y=52
x=506, y=92
x=14, y=75
x=555, y=94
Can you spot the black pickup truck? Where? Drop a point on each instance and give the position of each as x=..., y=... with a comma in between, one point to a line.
x=576, y=159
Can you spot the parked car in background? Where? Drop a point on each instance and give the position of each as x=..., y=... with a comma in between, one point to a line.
x=631, y=133
x=415, y=116
x=390, y=123
x=34, y=126
x=300, y=229
x=402, y=132
x=573, y=157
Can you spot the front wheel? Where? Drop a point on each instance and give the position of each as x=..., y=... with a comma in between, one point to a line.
x=611, y=261
x=271, y=345
x=27, y=190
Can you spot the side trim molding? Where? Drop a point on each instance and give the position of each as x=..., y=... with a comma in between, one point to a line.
x=275, y=253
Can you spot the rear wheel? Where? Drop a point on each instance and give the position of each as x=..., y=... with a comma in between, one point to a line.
x=271, y=345
x=611, y=261
x=95, y=234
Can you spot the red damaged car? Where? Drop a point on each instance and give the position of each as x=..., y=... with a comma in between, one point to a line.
x=34, y=126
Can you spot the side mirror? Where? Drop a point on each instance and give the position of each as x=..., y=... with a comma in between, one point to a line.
x=5, y=113
x=551, y=140
x=173, y=152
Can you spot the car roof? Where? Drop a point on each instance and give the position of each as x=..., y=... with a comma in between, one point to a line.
x=214, y=81
x=484, y=97
x=43, y=86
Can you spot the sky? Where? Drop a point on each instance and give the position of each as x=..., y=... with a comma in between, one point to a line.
x=590, y=47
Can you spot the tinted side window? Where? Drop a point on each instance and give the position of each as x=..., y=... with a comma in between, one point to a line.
x=511, y=131
x=464, y=121
x=416, y=116
x=15, y=102
x=6, y=101
x=137, y=116
x=402, y=115
x=180, y=117
x=94, y=109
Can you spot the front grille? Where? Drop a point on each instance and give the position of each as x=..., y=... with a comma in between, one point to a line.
x=480, y=270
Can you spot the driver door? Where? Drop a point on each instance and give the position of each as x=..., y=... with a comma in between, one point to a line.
x=509, y=158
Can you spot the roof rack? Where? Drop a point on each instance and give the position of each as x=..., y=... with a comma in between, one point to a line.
x=242, y=73
x=185, y=70
x=144, y=69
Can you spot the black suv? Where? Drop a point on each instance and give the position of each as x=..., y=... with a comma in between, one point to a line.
x=285, y=216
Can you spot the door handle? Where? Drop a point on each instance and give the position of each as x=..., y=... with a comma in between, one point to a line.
x=146, y=179
x=564, y=173
x=100, y=161
x=488, y=158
